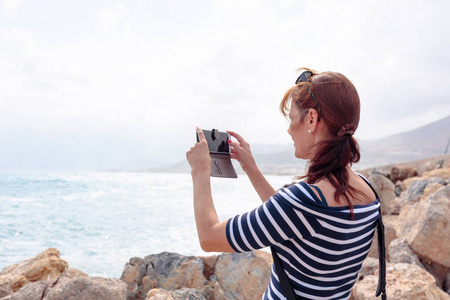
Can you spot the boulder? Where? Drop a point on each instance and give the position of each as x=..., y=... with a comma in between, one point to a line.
x=403, y=281
x=401, y=173
x=174, y=271
x=209, y=263
x=167, y=271
x=386, y=191
x=46, y=265
x=425, y=225
x=87, y=288
x=441, y=173
x=244, y=275
x=432, y=165
x=158, y=294
x=72, y=272
x=369, y=266
x=132, y=274
x=77, y=288
x=446, y=285
x=181, y=294
x=30, y=291
x=414, y=192
x=399, y=252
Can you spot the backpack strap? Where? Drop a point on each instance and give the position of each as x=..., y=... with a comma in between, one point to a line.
x=288, y=290
x=381, y=289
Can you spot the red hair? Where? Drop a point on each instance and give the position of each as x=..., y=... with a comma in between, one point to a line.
x=337, y=104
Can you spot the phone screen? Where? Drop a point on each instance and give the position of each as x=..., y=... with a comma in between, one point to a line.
x=217, y=141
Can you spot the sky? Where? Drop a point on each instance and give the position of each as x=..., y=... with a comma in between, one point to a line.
x=117, y=84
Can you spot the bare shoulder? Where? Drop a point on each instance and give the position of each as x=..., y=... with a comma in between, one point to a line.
x=364, y=196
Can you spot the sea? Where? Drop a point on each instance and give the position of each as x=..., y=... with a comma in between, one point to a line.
x=99, y=220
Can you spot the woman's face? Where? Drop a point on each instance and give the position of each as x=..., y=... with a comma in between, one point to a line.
x=298, y=130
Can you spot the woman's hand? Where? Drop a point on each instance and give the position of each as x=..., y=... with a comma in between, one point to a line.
x=198, y=156
x=241, y=152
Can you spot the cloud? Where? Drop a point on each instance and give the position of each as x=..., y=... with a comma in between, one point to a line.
x=10, y=7
x=109, y=18
x=156, y=71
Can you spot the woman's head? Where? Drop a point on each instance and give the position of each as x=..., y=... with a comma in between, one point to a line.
x=330, y=94
x=324, y=109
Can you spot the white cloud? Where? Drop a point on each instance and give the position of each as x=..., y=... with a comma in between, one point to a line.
x=110, y=18
x=157, y=72
x=10, y=7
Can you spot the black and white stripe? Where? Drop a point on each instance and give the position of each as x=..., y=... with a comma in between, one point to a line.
x=321, y=247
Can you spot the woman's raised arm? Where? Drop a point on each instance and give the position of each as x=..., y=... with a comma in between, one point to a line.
x=242, y=153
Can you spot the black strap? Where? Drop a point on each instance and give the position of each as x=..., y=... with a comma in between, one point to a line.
x=288, y=290
x=381, y=289
x=322, y=197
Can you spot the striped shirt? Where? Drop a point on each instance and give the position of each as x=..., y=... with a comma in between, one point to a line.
x=321, y=248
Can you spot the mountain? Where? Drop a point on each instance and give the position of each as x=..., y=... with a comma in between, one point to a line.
x=424, y=142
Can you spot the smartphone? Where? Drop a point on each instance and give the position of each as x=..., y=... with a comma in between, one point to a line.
x=220, y=152
x=217, y=141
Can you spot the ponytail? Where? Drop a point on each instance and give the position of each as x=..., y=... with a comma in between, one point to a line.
x=330, y=161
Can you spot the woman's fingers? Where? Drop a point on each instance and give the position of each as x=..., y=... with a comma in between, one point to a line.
x=235, y=145
x=243, y=143
x=201, y=135
x=236, y=136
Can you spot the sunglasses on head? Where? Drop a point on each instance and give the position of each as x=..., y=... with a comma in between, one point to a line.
x=304, y=78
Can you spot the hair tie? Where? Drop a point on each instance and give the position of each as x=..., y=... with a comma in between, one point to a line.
x=346, y=129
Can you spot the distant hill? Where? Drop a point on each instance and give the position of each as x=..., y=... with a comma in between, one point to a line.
x=424, y=142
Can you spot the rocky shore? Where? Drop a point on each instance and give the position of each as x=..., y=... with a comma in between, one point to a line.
x=416, y=211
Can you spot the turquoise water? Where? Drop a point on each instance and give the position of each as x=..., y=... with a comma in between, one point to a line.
x=99, y=220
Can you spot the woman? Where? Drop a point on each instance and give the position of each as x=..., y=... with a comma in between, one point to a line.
x=321, y=227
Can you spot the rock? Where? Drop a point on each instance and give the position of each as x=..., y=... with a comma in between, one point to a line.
x=181, y=294
x=403, y=281
x=369, y=266
x=414, y=192
x=87, y=288
x=244, y=275
x=209, y=263
x=218, y=293
x=5, y=291
x=437, y=270
x=386, y=191
x=446, y=285
x=187, y=294
x=431, y=188
x=77, y=288
x=401, y=173
x=33, y=290
x=173, y=271
x=158, y=294
x=12, y=282
x=399, y=252
x=168, y=271
x=132, y=274
x=46, y=265
x=441, y=173
x=72, y=272
x=425, y=225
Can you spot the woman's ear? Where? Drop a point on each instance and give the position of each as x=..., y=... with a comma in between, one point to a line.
x=312, y=118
